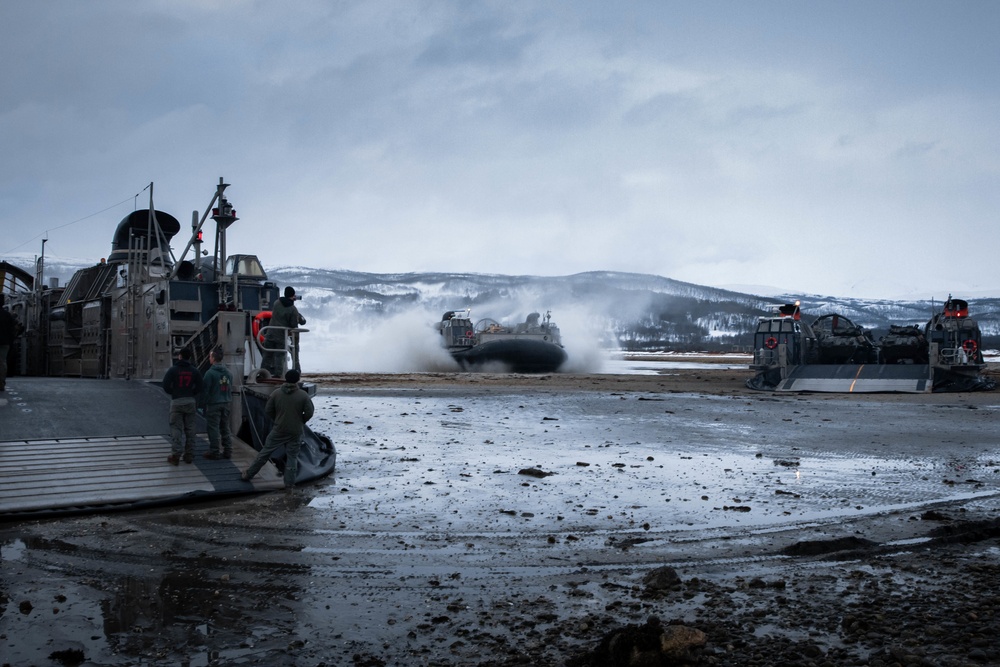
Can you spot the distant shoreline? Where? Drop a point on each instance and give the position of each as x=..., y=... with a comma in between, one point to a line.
x=707, y=381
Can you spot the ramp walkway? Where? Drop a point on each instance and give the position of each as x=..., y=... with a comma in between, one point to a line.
x=859, y=378
x=81, y=445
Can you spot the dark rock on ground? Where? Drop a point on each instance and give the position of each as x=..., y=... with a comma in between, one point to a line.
x=661, y=579
x=817, y=547
x=648, y=645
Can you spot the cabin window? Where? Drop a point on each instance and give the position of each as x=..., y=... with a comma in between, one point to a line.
x=246, y=266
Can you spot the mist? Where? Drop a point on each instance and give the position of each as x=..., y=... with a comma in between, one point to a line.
x=339, y=341
x=403, y=343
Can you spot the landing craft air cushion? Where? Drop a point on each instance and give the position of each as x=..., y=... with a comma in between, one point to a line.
x=532, y=346
x=835, y=355
x=84, y=425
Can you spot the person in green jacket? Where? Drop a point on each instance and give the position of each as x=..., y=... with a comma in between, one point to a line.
x=290, y=408
x=217, y=397
x=283, y=314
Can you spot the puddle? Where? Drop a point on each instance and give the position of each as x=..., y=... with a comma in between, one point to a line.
x=172, y=616
x=13, y=551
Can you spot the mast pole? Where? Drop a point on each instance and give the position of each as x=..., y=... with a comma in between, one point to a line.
x=194, y=233
x=40, y=269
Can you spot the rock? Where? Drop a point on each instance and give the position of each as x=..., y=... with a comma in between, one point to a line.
x=69, y=657
x=643, y=645
x=661, y=579
x=534, y=472
x=679, y=638
x=817, y=547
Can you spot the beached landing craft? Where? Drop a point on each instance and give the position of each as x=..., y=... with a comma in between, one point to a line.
x=84, y=426
x=835, y=355
x=532, y=346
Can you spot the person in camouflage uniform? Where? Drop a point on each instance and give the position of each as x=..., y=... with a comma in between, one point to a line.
x=217, y=397
x=290, y=407
x=283, y=314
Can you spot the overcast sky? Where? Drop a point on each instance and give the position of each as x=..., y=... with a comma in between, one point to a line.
x=841, y=148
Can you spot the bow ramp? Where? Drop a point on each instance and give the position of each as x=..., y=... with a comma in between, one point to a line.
x=859, y=378
x=75, y=445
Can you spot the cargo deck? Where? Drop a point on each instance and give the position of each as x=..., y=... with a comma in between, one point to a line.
x=60, y=452
x=859, y=378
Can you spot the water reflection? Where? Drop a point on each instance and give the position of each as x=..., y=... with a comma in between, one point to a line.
x=667, y=364
x=101, y=604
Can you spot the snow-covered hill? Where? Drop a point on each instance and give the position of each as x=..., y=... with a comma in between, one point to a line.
x=618, y=309
x=361, y=316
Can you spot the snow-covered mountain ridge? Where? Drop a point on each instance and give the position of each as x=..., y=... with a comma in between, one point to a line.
x=633, y=309
x=617, y=308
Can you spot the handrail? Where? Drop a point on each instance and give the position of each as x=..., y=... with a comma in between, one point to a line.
x=287, y=329
x=290, y=333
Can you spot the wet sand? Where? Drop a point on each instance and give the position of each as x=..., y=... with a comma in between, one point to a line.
x=506, y=519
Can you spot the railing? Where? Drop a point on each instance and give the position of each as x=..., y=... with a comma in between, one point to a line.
x=765, y=357
x=291, y=343
x=202, y=342
x=954, y=356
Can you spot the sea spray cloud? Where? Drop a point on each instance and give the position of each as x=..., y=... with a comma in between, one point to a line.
x=409, y=341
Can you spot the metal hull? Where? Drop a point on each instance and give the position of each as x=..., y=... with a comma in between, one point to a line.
x=517, y=355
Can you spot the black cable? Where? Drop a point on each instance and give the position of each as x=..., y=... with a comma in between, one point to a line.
x=125, y=201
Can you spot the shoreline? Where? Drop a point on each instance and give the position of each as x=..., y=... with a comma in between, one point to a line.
x=709, y=381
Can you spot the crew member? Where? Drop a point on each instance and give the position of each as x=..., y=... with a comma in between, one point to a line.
x=290, y=408
x=183, y=382
x=284, y=318
x=10, y=329
x=217, y=397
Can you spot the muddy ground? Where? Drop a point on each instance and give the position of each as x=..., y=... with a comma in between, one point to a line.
x=666, y=519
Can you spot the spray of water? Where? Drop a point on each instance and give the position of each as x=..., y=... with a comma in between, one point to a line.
x=407, y=342
x=581, y=335
x=402, y=343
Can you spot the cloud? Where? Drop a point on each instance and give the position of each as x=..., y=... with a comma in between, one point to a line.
x=716, y=144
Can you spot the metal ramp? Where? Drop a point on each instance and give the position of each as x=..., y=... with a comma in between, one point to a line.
x=859, y=378
x=79, y=445
x=76, y=475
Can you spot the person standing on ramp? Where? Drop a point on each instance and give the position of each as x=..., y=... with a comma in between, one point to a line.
x=217, y=397
x=183, y=382
x=290, y=408
x=10, y=329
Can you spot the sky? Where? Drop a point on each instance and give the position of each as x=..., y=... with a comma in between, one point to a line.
x=845, y=148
